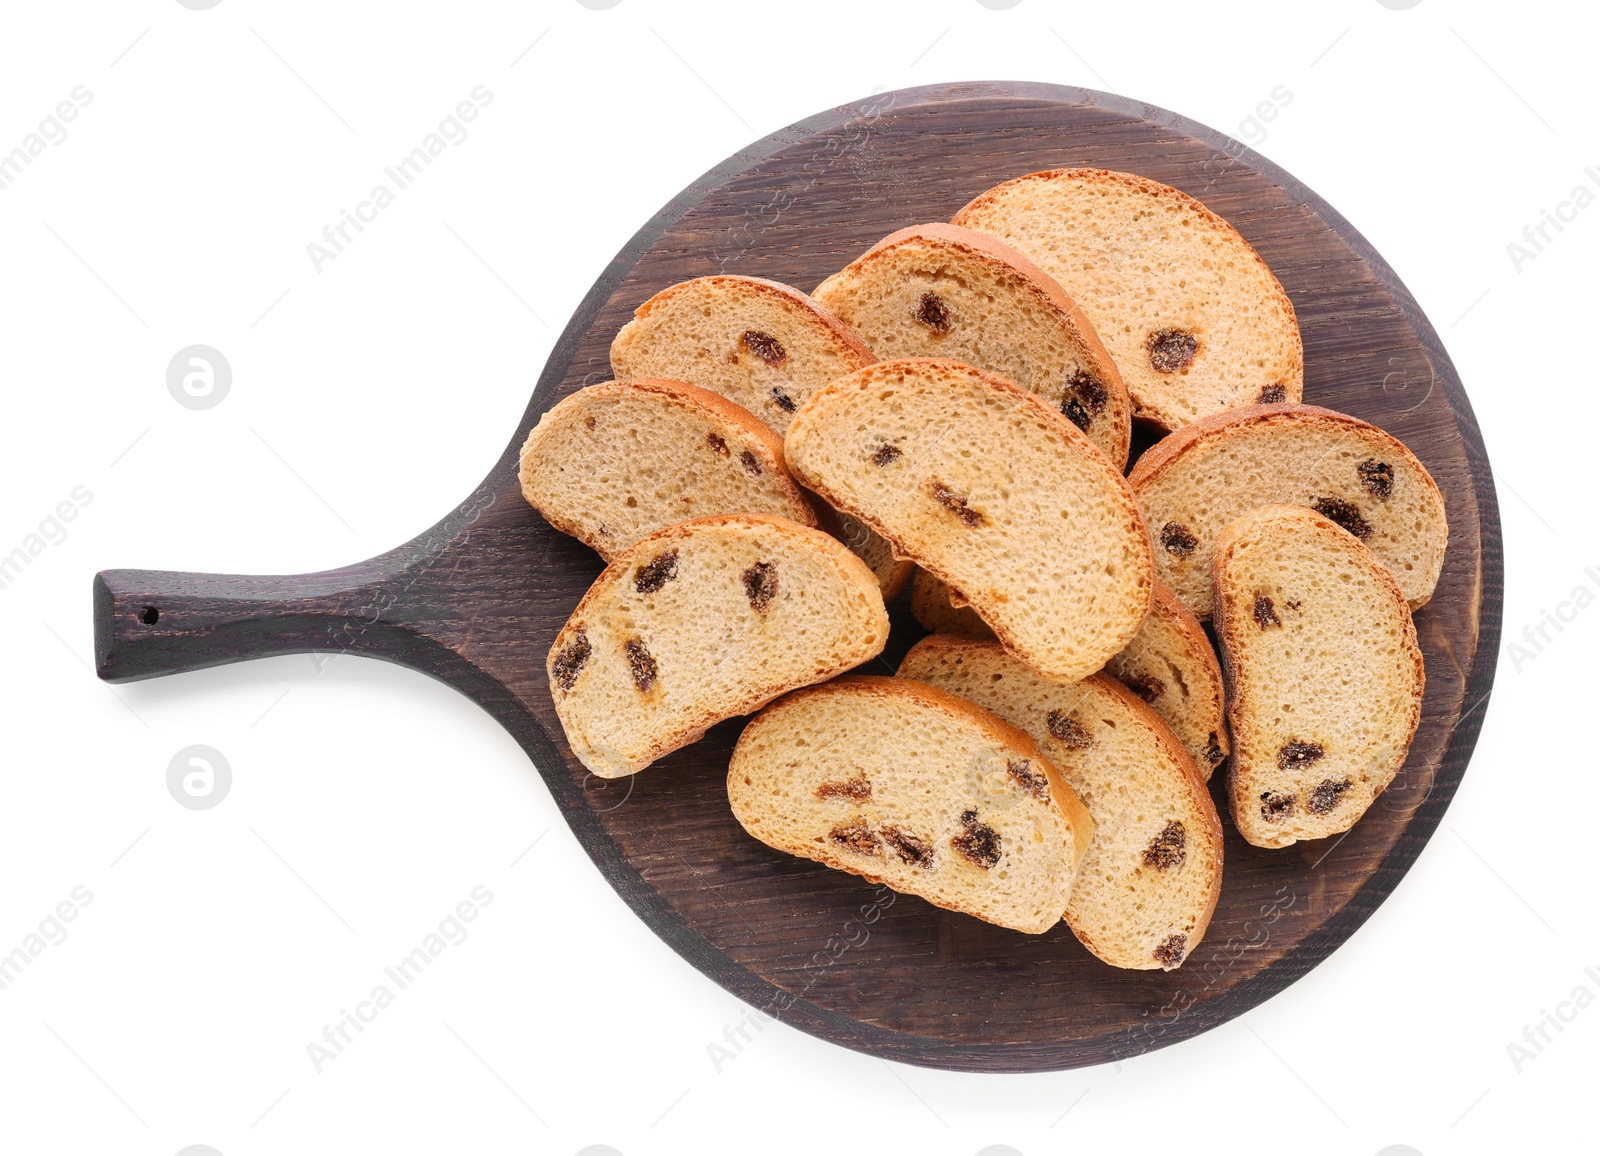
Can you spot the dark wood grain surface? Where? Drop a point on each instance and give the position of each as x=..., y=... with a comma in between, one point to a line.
x=477, y=600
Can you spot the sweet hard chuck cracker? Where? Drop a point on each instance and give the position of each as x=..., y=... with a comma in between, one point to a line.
x=915, y=788
x=1192, y=316
x=701, y=622
x=1325, y=679
x=1147, y=886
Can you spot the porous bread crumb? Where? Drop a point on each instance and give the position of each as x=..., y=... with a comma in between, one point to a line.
x=1154, y=867
x=1192, y=316
x=946, y=819
x=757, y=607
x=938, y=290
x=1204, y=476
x=1324, y=705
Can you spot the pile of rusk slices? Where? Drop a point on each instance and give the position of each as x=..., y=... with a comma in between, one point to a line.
x=953, y=411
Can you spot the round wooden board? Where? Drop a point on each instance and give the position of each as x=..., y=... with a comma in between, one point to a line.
x=478, y=599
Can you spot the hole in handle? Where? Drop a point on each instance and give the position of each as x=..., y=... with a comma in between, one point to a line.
x=149, y=616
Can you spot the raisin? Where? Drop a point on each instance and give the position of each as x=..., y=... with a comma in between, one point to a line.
x=661, y=570
x=718, y=446
x=1213, y=749
x=1346, y=514
x=640, y=664
x=765, y=346
x=1276, y=808
x=1325, y=796
x=1171, y=350
x=760, y=585
x=1271, y=395
x=1169, y=952
x=1146, y=686
x=1075, y=412
x=1086, y=387
x=1168, y=849
x=783, y=400
x=1030, y=778
x=748, y=460
x=856, y=788
x=978, y=842
x=1068, y=731
x=885, y=455
x=910, y=848
x=1377, y=478
x=934, y=313
x=570, y=660
x=856, y=836
x=1265, y=613
x=1296, y=754
x=1179, y=539
x=957, y=505
x=588, y=423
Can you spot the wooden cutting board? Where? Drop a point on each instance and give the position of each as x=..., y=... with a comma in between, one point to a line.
x=477, y=600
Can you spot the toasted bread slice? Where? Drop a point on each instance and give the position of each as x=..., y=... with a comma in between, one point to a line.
x=1194, y=482
x=763, y=345
x=1149, y=883
x=701, y=622
x=892, y=573
x=1171, y=666
x=994, y=492
x=936, y=610
x=1324, y=675
x=616, y=461
x=943, y=291
x=917, y=789
x=1191, y=314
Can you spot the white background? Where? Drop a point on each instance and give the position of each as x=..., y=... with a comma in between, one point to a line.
x=369, y=397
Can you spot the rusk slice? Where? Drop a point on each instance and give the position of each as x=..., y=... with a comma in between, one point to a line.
x=1324, y=676
x=992, y=491
x=619, y=460
x=1191, y=314
x=1194, y=482
x=943, y=291
x=763, y=345
x=701, y=622
x=1170, y=665
x=932, y=606
x=1149, y=883
x=917, y=789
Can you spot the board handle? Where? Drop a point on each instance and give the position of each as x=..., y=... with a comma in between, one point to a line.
x=154, y=622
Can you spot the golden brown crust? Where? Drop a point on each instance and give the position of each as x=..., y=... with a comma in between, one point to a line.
x=1046, y=287
x=851, y=570
x=1043, y=414
x=755, y=434
x=1228, y=639
x=852, y=345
